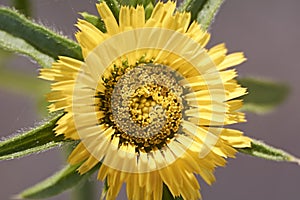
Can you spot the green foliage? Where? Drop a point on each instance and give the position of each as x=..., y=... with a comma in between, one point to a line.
x=17, y=45
x=192, y=6
x=57, y=183
x=263, y=96
x=17, y=81
x=203, y=11
x=206, y=16
x=262, y=150
x=148, y=5
x=136, y=2
x=167, y=195
x=84, y=190
x=148, y=10
x=22, y=36
x=35, y=140
x=96, y=21
x=114, y=6
x=39, y=37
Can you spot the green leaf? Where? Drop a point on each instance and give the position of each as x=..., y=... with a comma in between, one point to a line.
x=18, y=45
x=262, y=150
x=16, y=81
x=208, y=12
x=85, y=190
x=57, y=183
x=263, y=96
x=39, y=37
x=36, y=140
x=192, y=6
x=203, y=11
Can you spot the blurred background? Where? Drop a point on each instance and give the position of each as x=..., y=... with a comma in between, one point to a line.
x=269, y=34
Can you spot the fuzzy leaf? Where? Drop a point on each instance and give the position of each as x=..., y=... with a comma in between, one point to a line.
x=18, y=45
x=263, y=96
x=39, y=37
x=57, y=183
x=202, y=11
x=36, y=140
x=208, y=12
x=262, y=150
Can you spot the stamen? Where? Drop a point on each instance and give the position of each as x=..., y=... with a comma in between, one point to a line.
x=143, y=104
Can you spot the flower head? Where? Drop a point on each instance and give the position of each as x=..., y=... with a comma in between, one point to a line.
x=149, y=102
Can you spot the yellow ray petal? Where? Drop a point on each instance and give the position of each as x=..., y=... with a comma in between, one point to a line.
x=88, y=165
x=79, y=154
x=107, y=16
x=232, y=60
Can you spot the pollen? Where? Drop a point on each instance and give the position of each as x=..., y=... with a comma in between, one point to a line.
x=145, y=112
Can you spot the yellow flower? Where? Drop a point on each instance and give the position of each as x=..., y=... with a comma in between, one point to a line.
x=149, y=102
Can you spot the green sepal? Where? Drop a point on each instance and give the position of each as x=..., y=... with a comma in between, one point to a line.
x=39, y=37
x=104, y=189
x=114, y=6
x=167, y=195
x=147, y=4
x=17, y=45
x=202, y=11
x=96, y=21
x=35, y=140
x=262, y=150
x=148, y=10
x=61, y=181
x=134, y=3
x=263, y=96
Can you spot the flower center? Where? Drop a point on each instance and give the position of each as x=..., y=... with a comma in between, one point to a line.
x=152, y=102
x=144, y=106
x=141, y=106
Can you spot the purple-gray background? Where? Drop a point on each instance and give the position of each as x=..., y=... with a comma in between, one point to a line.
x=269, y=34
